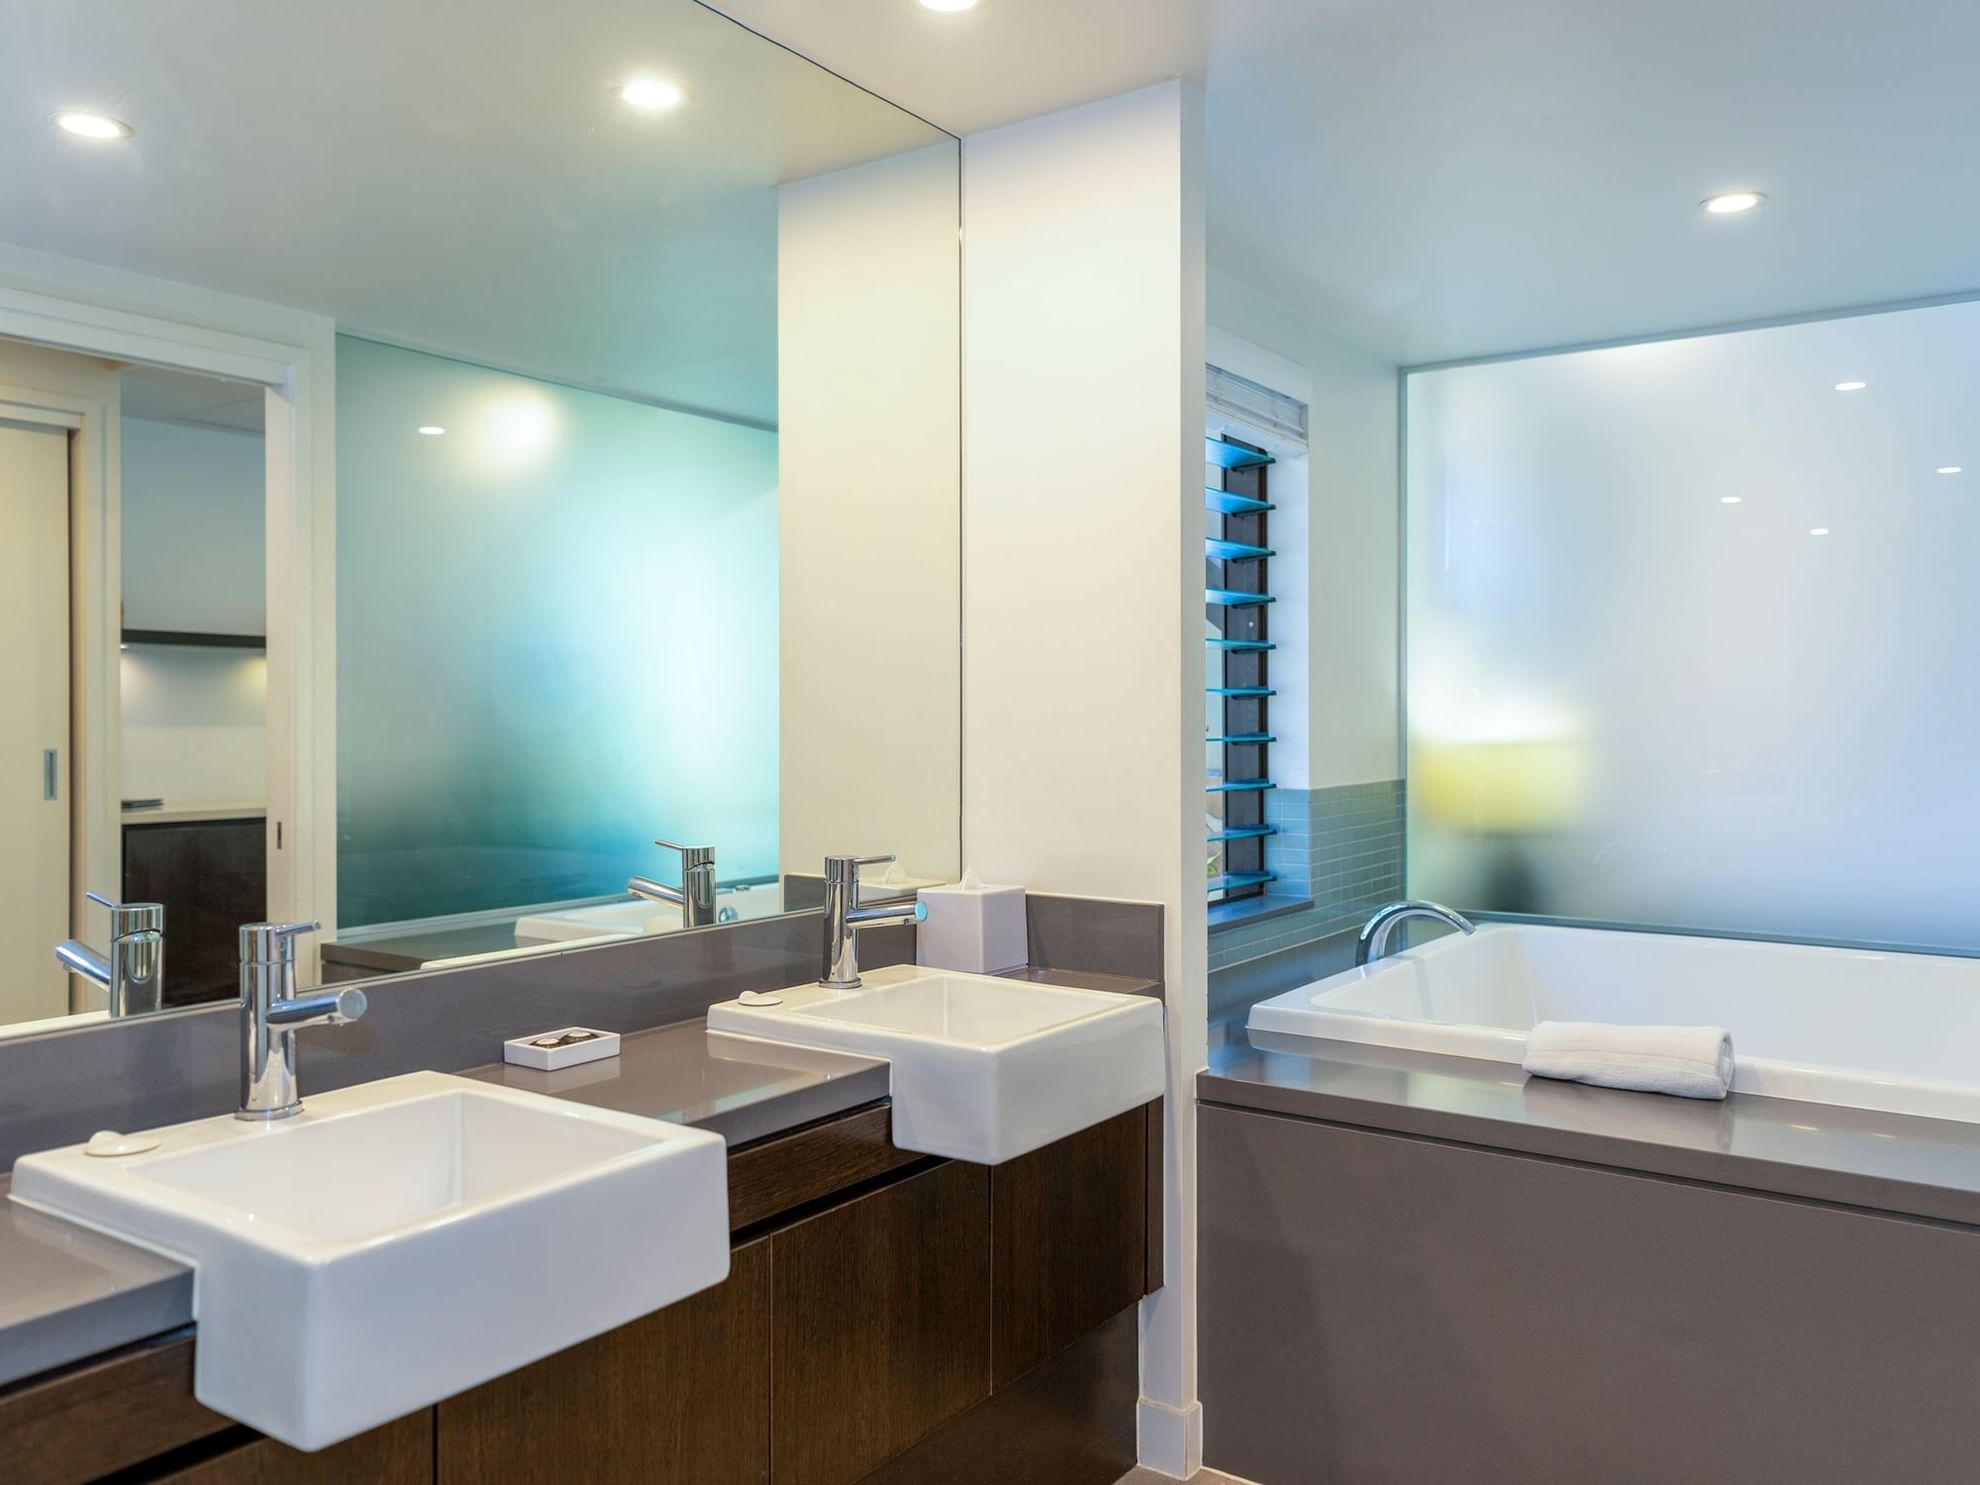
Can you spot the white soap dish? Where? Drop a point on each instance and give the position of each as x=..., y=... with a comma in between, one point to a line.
x=551, y=1050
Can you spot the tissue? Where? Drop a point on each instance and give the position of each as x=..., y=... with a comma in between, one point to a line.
x=972, y=927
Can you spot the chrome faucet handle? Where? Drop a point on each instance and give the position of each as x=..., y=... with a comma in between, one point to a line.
x=272, y=943
x=691, y=856
x=127, y=918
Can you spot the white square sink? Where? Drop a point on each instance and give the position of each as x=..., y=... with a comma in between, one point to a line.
x=982, y=1069
x=398, y=1242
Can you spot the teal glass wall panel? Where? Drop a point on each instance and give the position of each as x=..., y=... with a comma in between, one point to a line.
x=1692, y=629
x=556, y=639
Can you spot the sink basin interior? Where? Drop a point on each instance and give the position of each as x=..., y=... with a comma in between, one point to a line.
x=952, y=1008
x=408, y=1162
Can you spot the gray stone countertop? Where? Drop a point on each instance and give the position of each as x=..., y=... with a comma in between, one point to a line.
x=67, y=1293
x=1897, y=1163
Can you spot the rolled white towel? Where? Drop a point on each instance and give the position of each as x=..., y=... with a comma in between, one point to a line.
x=1689, y=1061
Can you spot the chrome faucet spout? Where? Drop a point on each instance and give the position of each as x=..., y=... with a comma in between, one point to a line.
x=844, y=918
x=1373, y=941
x=81, y=959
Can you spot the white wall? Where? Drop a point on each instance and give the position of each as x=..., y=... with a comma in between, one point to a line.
x=1083, y=574
x=194, y=529
x=1353, y=534
x=869, y=407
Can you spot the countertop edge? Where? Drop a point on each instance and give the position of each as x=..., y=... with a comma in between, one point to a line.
x=1895, y=1195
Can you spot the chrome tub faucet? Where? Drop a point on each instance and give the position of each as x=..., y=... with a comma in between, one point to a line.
x=271, y=1014
x=134, y=971
x=1373, y=941
x=844, y=918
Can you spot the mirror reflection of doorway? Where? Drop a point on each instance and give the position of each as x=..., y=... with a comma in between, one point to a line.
x=176, y=740
x=193, y=669
x=34, y=713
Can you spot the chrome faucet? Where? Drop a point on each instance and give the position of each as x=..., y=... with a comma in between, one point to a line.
x=695, y=897
x=134, y=972
x=844, y=918
x=1373, y=942
x=271, y=1012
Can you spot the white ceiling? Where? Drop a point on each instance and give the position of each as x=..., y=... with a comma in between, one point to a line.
x=457, y=175
x=1450, y=178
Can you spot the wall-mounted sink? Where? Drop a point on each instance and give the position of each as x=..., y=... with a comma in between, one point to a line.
x=400, y=1241
x=983, y=1068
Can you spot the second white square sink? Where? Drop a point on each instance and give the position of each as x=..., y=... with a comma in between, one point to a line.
x=982, y=1068
x=402, y=1241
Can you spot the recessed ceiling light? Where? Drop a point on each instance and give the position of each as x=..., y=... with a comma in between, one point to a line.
x=1729, y=500
x=1726, y=203
x=651, y=94
x=1948, y=469
x=98, y=126
x=948, y=6
x=431, y=430
x=1818, y=530
x=1851, y=386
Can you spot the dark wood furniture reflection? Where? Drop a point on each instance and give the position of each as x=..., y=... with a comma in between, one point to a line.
x=212, y=876
x=888, y=1318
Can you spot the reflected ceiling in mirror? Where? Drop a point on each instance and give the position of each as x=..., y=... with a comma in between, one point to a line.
x=616, y=306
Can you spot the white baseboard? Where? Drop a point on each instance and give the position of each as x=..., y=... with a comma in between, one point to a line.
x=1169, y=1440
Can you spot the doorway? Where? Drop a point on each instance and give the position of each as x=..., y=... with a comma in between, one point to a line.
x=35, y=865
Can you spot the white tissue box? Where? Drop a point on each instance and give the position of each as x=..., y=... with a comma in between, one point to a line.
x=971, y=927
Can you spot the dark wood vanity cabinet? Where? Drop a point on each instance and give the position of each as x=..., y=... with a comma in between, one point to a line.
x=887, y=1317
x=880, y=1324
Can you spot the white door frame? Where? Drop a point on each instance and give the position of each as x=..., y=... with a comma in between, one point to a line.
x=291, y=355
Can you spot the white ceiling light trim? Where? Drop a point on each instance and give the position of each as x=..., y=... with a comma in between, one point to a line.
x=1732, y=203
x=652, y=94
x=99, y=127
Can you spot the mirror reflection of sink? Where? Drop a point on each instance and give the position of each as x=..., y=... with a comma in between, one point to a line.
x=732, y=905
x=983, y=1068
x=401, y=1241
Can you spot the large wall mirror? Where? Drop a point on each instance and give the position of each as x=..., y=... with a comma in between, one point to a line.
x=632, y=479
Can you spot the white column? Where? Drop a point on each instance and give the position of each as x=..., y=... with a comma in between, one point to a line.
x=1083, y=576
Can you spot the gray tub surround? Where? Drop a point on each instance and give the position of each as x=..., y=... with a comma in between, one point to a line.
x=1338, y=853
x=1420, y=1267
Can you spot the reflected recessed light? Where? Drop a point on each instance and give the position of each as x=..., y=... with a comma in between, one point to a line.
x=1729, y=499
x=948, y=6
x=1732, y=203
x=1948, y=469
x=431, y=430
x=1818, y=530
x=651, y=94
x=1851, y=386
x=99, y=126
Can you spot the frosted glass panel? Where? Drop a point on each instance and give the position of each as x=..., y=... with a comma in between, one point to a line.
x=556, y=639
x=1693, y=636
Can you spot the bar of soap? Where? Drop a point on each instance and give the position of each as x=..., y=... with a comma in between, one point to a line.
x=567, y=1047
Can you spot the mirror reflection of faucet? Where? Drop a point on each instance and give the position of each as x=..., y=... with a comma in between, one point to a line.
x=134, y=971
x=695, y=897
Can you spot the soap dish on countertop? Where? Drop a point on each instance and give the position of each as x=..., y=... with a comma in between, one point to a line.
x=550, y=1050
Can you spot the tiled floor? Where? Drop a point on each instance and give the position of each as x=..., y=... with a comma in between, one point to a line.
x=1201, y=1477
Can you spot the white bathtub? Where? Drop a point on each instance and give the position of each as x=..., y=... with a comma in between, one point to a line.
x=1867, y=1030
